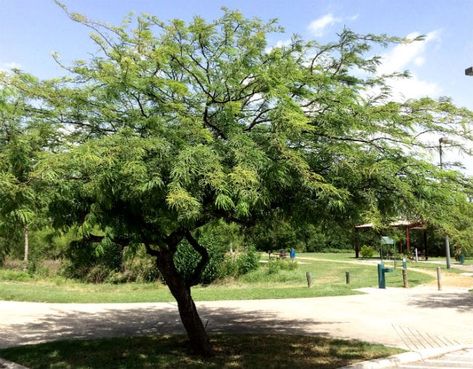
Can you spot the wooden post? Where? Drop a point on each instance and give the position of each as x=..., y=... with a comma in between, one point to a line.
x=347, y=277
x=439, y=279
x=405, y=282
x=308, y=275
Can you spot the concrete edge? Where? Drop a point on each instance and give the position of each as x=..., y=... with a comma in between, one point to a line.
x=404, y=358
x=4, y=364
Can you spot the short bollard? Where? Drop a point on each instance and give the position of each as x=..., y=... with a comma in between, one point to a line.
x=309, y=279
x=439, y=279
x=347, y=277
x=405, y=282
x=404, y=263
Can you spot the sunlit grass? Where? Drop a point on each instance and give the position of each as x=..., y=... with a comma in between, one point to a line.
x=328, y=280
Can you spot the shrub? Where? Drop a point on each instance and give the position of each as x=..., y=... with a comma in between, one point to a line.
x=367, y=251
x=247, y=261
x=98, y=274
x=92, y=261
x=186, y=260
x=140, y=268
x=275, y=265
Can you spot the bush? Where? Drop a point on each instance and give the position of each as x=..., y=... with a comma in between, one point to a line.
x=140, y=268
x=14, y=275
x=275, y=265
x=92, y=262
x=367, y=251
x=186, y=259
x=247, y=261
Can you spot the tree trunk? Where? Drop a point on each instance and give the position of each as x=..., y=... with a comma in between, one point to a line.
x=27, y=243
x=198, y=338
x=196, y=332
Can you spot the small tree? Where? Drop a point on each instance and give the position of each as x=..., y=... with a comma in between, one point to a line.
x=173, y=126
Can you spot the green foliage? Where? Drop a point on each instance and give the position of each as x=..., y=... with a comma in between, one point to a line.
x=186, y=259
x=276, y=265
x=367, y=251
x=221, y=264
x=247, y=261
x=92, y=262
x=174, y=126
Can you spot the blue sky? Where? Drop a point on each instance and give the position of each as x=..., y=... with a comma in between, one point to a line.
x=30, y=30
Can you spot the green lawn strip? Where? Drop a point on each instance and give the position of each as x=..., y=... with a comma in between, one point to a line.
x=328, y=280
x=231, y=351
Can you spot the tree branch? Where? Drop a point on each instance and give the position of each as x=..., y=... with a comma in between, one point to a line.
x=204, y=260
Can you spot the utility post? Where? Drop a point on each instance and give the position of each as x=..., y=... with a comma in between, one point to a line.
x=443, y=140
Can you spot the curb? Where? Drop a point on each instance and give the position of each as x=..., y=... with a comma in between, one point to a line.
x=408, y=357
x=4, y=364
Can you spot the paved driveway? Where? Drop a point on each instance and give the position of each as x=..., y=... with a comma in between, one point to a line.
x=413, y=319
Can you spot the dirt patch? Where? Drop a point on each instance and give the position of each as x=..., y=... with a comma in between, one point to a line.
x=448, y=279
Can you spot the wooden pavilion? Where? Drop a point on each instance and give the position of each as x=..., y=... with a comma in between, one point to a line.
x=406, y=225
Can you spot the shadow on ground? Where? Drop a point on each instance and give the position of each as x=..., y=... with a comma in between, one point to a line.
x=146, y=321
x=462, y=302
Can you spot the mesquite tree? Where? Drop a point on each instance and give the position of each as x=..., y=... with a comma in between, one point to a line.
x=172, y=126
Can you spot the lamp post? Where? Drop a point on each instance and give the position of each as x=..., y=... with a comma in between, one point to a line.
x=443, y=140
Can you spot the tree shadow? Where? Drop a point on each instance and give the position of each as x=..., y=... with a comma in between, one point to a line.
x=462, y=302
x=61, y=325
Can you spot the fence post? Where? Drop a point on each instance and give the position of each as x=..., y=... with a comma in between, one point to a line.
x=439, y=279
x=347, y=277
x=308, y=275
x=405, y=282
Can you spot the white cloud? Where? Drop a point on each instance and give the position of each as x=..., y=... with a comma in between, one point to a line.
x=413, y=88
x=404, y=56
x=8, y=66
x=419, y=61
x=318, y=26
x=279, y=43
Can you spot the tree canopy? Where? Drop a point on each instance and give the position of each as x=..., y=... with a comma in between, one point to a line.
x=174, y=125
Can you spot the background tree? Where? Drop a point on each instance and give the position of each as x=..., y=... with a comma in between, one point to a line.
x=172, y=126
x=22, y=140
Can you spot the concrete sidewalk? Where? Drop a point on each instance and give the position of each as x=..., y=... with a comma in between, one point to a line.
x=412, y=319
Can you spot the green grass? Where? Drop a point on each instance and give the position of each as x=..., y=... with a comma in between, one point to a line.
x=328, y=280
x=231, y=352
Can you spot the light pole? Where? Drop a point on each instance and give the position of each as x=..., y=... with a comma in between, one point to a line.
x=443, y=140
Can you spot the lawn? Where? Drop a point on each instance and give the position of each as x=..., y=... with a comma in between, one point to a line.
x=231, y=352
x=266, y=282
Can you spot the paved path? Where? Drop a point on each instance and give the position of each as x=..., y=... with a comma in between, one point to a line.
x=413, y=319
